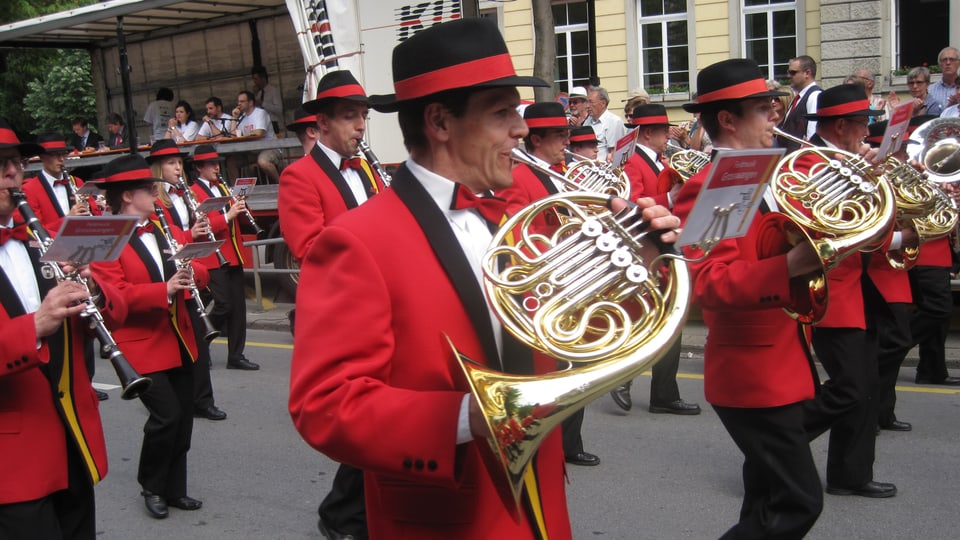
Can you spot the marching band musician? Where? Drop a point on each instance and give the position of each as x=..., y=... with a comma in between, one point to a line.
x=546, y=141
x=50, y=412
x=757, y=372
x=328, y=181
x=643, y=169
x=166, y=163
x=157, y=335
x=374, y=383
x=226, y=282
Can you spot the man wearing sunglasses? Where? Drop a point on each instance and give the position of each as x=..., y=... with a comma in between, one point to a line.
x=802, y=71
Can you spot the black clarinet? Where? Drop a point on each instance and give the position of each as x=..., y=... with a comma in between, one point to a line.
x=193, y=204
x=374, y=162
x=233, y=200
x=133, y=385
x=209, y=332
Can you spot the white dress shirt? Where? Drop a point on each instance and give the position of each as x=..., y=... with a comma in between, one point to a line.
x=17, y=265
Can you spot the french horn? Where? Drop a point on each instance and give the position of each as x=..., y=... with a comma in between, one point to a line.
x=916, y=197
x=584, y=175
x=593, y=292
x=687, y=162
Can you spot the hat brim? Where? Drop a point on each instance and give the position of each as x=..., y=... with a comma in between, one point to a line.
x=25, y=149
x=693, y=107
x=125, y=184
x=65, y=150
x=631, y=126
x=388, y=102
x=152, y=159
x=313, y=105
x=300, y=125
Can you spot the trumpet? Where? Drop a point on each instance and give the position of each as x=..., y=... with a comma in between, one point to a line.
x=586, y=175
x=132, y=384
x=193, y=204
x=374, y=162
x=233, y=200
x=209, y=332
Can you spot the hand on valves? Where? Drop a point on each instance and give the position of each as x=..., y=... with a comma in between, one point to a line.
x=63, y=301
x=201, y=229
x=182, y=280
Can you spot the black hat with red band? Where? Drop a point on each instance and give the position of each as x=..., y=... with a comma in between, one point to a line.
x=648, y=114
x=843, y=100
x=735, y=79
x=9, y=139
x=302, y=119
x=545, y=115
x=337, y=85
x=205, y=152
x=878, y=129
x=125, y=172
x=165, y=148
x=465, y=53
x=583, y=134
x=53, y=143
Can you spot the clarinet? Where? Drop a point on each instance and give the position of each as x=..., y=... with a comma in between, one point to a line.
x=72, y=188
x=374, y=162
x=193, y=204
x=233, y=200
x=209, y=332
x=132, y=383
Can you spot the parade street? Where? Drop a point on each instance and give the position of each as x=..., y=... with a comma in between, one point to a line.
x=661, y=476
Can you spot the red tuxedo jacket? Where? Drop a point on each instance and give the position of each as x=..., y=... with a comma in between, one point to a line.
x=312, y=194
x=936, y=253
x=41, y=199
x=153, y=331
x=893, y=284
x=644, y=176
x=754, y=356
x=46, y=398
x=232, y=247
x=387, y=399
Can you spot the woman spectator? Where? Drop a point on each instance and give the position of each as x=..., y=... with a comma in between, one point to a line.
x=182, y=127
x=918, y=83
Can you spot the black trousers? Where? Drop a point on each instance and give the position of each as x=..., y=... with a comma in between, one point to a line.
x=167, y=433
x=344, y=509
x=229, y=311
x=663, y=383
x=570, y=430
x=782, y=495
x=68, y=514
x=202, y=386
x=931, y=321
x=893, y=331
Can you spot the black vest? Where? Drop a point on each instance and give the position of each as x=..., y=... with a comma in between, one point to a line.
x=795, y=123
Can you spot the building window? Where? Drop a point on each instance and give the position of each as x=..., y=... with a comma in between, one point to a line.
x=664, y=50
x=576, y=62
x=770, y=34
x=932, y=22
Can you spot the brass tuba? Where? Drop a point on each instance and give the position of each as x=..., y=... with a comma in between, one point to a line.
x=838, y=205
x=939, y=149
x=593, y=293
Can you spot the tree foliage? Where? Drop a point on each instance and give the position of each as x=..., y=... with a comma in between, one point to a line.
x=64, y=92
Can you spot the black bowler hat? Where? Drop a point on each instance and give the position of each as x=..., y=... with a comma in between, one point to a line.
x=9, y=139
x=53, y=143
x=205, y=152
x=583, y=134
x=545, y=115
x=164, y=148
x=465, y=53
x=649, y=114
x=337, y=84
x=877, y=129
x=729, y=80
x=302, y=119
x=843, y=100
x=125, y=172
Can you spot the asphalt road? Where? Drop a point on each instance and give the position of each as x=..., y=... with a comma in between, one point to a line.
x=661, y=476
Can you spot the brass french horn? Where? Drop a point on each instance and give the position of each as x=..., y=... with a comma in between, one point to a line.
x=687, y=162
x=916, y=198
x=584, y=175
x=595, y=293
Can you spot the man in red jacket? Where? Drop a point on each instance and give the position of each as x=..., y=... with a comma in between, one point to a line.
x=50, y=415
x=757, y=370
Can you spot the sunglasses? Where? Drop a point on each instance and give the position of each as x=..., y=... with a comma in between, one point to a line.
x=792, y=72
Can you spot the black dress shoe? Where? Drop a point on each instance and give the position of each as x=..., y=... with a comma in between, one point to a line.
x=243, y=364
x=583, y=458
x=946, y=381
x=675, y=407
x=897, y=425
x=331, y=533
x=621, y=396
x=874, y=490
x=156, y=506
x=210, y=413
x=102, y=396
x=185, y=503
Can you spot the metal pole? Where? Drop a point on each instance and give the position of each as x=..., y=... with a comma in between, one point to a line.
x=127, y=92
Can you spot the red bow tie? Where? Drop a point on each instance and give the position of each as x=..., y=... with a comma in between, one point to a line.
x=352, y=163
x=177, y=191
x=493, y=209
x=144, y=229
x=17, y=232
x=60, y=183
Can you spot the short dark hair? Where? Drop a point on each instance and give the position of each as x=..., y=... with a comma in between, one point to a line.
x=249, y=94
x=114, y=194
x=79, y=121
x=708, y=115
x=410, y=113
x=114, y=118
x=528, y=140
x=217, y=102
x=807, y=63
x=259, y=70
x=186, y=108
x=165, y=94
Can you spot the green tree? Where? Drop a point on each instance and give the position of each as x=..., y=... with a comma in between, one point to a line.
x=64, y=92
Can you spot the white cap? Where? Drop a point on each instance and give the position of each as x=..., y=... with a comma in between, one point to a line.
x=578, y=92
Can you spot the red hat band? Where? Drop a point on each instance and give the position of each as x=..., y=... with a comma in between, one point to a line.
x=649, y=120
x=456, y=76
x=7, y=136
x=165, y=152
x=583, y=138
x=737, y=91
x=547, y=122
x=128, y=176
x=342, y=91
x=844, y=108
x=54, y=145
x=209, y=156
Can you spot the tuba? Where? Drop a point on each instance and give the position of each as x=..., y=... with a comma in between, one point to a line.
x=939, y=149
x=595, y=293
x=839, y=205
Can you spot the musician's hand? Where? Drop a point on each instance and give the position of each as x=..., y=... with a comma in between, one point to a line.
x=63, y=301
x=660, y=218
x=80, y=208
x=201, y=229
x=802, y=259
x=236, y=209
x=180, y=281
